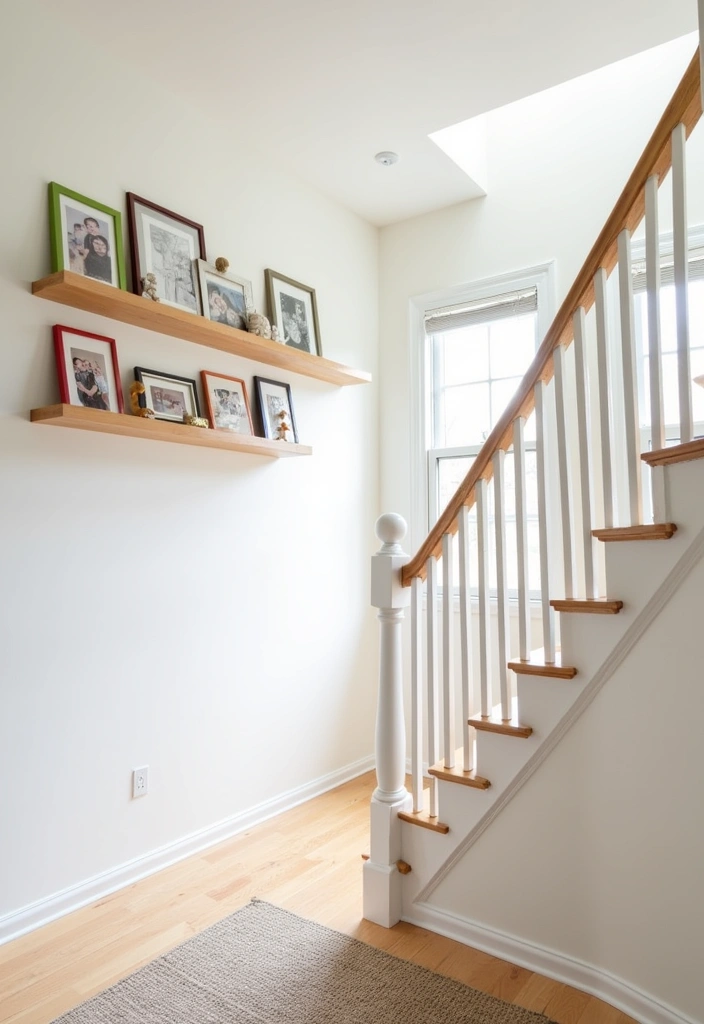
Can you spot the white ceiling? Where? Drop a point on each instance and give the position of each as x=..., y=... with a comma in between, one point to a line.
x=325, y=84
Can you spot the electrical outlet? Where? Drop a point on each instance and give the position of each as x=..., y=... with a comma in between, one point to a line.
x=140, y=781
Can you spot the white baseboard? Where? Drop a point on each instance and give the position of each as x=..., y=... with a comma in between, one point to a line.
x=585, y=977
x=34, y=915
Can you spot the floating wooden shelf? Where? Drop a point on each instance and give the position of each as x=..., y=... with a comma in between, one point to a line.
x=96, y=297
x=162, y=430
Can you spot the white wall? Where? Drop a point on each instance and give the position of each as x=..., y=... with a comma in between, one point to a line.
x=165, y=605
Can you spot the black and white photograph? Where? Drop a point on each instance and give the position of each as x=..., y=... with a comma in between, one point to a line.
x=293, y=308
x=166, y=245
x=225, y=296
x=88, y=370
x=86, y=237
x=227, y=402
x=168, y=395
x=276, y=410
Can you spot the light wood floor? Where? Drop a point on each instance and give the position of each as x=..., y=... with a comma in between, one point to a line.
x=307, y=860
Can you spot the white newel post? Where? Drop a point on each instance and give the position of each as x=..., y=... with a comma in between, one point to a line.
x=382, y=881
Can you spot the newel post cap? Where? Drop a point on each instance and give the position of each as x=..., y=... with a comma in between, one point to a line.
x=391, y=528
x=387, y=563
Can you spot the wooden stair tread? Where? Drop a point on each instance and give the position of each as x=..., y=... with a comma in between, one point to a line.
x=537, y=666
x=456, y=774
x=647, y=531
x=504, y=727
x=593, y=605
x=423, y=819
x=677, y=453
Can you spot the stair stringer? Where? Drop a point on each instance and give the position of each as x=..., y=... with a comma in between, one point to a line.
x=596, y=645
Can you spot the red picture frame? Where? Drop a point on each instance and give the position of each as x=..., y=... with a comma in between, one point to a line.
x=88, y=371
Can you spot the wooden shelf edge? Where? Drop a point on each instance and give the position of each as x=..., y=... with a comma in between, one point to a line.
x=96, y=297
x=81, y=418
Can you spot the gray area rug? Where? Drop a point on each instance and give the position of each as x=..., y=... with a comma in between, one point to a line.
x=263, y=965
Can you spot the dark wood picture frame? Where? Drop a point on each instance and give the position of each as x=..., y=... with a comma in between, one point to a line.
x=279, y=317
x=140, y=267
x=60, y=342
x=264, y=418
x=141, y=371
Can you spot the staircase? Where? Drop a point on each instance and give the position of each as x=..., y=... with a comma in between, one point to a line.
x=481, y=722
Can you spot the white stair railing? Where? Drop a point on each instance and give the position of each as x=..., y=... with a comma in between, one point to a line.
x=574, y=463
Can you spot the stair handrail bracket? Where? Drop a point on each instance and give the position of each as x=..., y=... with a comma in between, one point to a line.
x=382, y=881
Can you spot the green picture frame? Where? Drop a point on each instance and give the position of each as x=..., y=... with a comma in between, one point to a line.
x=86, y=237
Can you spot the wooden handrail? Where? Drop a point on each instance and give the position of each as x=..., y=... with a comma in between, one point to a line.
x=685, y=108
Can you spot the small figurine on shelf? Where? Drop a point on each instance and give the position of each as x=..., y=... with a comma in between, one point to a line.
x=278, y=335
x=221, y=265
x=195, y=421
x=149, y=288
x=258, y=324
x=284, y=428
x=136, y=390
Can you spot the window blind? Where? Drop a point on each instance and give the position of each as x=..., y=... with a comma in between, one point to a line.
x=667, y=269
x=482, y=311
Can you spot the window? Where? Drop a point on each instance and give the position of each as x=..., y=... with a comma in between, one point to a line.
x=477, y=347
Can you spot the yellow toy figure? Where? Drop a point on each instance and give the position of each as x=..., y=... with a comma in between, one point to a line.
x=137, y=389
x=284, y=428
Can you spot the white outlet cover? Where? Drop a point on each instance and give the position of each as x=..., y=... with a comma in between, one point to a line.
x=140, y=781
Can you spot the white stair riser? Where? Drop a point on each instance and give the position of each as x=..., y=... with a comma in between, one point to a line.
x=500, y=757
x=542, y=701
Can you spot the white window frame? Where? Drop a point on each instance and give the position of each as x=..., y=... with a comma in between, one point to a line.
x=541, y=277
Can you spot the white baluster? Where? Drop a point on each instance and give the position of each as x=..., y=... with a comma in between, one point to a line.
x=604, y=394
x=448, y=682
x=680, y=252
x=501, y=583
x=382, y=886
x=630, y=383
x=563, y=469
x=432, y=675
x=652, y=276
x=700, y=8
x=484, y=618
x=544, y=532
x=583, y=449
x=519, y=465
x=417, y=693
x=465, y=636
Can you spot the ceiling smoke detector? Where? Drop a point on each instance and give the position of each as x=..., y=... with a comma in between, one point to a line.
x=386, y=158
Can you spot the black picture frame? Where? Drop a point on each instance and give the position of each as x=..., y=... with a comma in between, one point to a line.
x=270, y=391
x=293, y=307
x=150, y=379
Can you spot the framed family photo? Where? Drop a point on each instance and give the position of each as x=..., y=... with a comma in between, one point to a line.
x=276, y=409
x=168, y=395
x=227, y=402
x=86, y=237
x=225, y=297
x=165, y=244
x=293, y=308
x=88, y=370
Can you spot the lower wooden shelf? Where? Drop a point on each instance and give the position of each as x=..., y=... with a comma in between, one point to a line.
x=81, y=418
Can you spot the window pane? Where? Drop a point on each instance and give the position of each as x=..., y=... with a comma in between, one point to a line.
x=466, y=415
x=697, y=368
x=502, y=391
x=512, y=345
x=451, y=473
x=465, y=354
